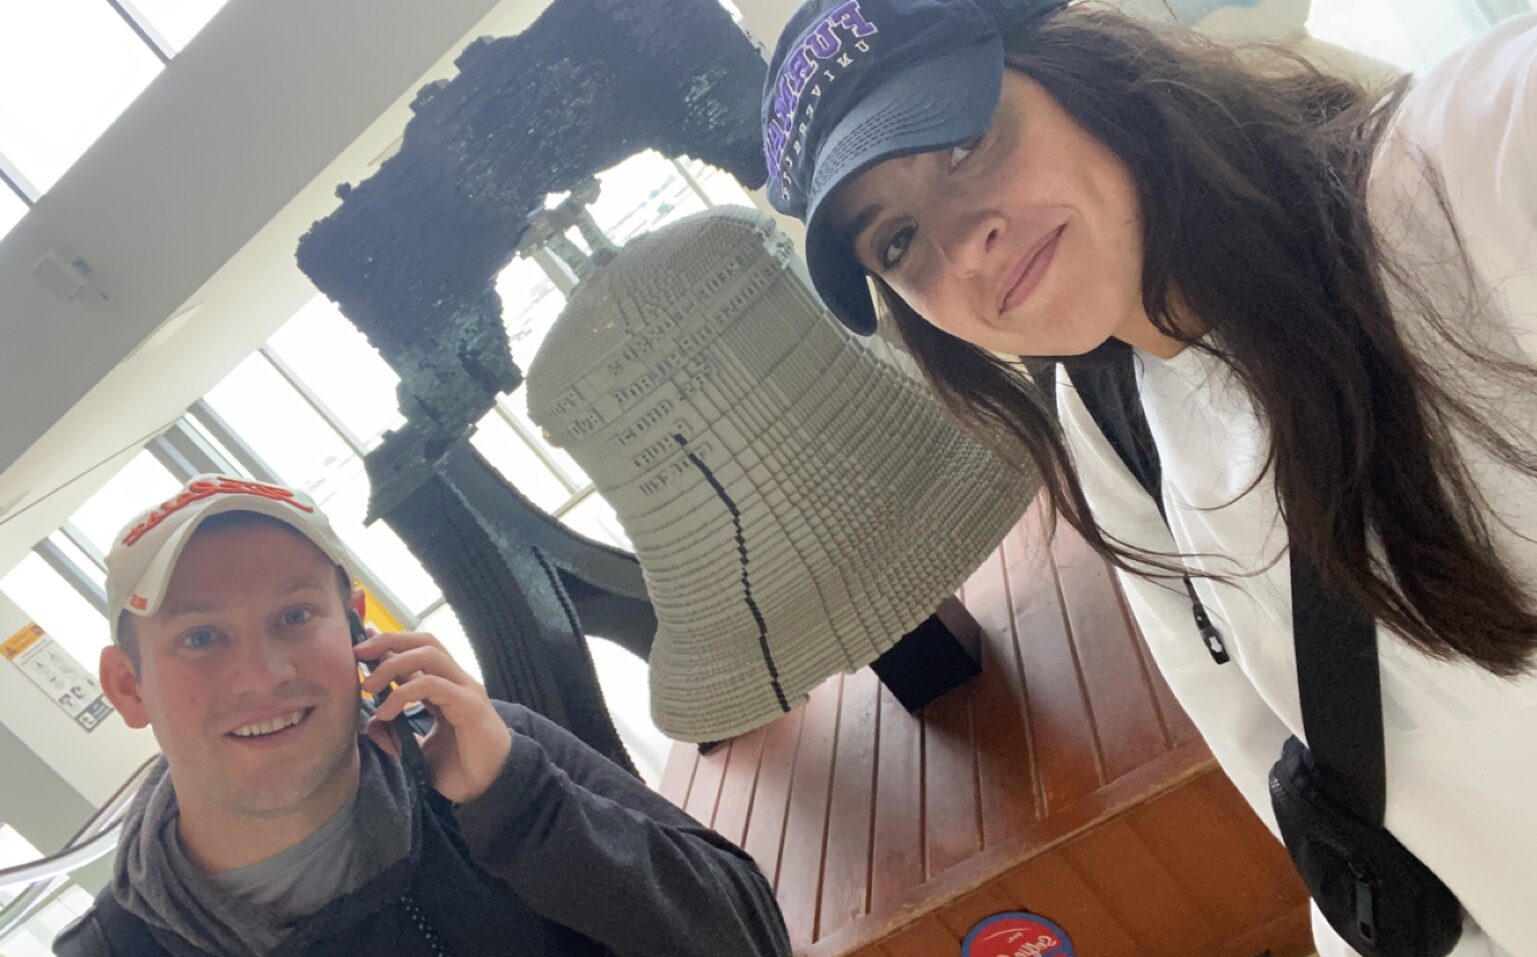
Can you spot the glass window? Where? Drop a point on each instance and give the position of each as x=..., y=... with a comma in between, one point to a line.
x=627, y=693
x=719, y=185
x=140, y=484
x=11, y=210
x=1407, y=33
x=50, y=601
x=78, y=558
x=506, y=450
x=68, y=68
x=268, y=414
x=35, y=937
x=530, y=306
x=640, y=194
x=15, y=850
x=264, y=410
x=376, y=545
x=444, y=625
x=177, y=21
x=516, y=404
x=1367, y=26
x=594, y=518
x=230, y=462
x=335, y=361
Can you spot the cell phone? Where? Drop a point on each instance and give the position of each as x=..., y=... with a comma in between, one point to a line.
x=405, y=725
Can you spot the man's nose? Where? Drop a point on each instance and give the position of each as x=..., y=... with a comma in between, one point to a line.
x=260, y=665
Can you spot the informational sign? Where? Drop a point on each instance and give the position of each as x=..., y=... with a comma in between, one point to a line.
x=60, y=676
x=1017, y=935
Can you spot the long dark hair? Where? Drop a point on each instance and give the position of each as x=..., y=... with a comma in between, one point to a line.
x=1253, y=198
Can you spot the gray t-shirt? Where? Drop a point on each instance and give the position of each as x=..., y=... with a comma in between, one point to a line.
x=304, y=878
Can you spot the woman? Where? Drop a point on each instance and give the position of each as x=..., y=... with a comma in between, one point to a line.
x=1330, y=295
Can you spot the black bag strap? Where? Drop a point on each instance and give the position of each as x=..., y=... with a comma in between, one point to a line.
x=1338, y=679
x=1340, y=686
x=1107, y=384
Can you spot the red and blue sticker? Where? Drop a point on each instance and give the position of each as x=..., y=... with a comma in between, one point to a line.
x=1017, y=935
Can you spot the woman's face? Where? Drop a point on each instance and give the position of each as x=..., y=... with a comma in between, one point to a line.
x=1026, y=241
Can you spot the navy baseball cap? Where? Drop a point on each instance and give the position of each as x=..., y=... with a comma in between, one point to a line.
x=855, y=82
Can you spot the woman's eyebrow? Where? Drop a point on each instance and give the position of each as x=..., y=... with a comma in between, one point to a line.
x=861, y=221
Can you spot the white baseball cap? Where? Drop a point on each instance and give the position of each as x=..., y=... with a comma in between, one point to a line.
x=145, y=552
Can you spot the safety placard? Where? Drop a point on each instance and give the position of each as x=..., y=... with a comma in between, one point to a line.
x=60, y=676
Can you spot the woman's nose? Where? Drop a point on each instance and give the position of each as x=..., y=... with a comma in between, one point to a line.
x=973, y=242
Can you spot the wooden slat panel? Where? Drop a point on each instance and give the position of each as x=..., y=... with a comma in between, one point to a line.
x=1213, y=861
x=1289, y=936
x=1281, y=878
x=766, y=825
x=897, y=833
x=961, y=916
x=800, y=886
x=1128, y=729
x=1062, y=732
x=1065, y=781
x=1005, y=761
x=679, y=773
x=736, y=796
x=708, y=775
x=1177, y=724
x=846, y=868
x=926, y=938
x=1050, y=886
x=1141, y=892
x=952, y=831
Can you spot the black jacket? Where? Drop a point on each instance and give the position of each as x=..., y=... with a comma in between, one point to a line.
x=565, y=854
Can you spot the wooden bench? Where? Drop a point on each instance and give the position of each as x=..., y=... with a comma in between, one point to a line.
x=1064, y=781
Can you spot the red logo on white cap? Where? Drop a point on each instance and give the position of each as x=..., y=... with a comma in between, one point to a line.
x=139, y=602
x=205, y=488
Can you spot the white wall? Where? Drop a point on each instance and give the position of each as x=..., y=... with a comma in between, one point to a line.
x=93, y=764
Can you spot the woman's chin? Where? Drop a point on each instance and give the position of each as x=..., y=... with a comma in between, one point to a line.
x=1049, y=339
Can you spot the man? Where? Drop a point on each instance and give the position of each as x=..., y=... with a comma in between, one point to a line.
x=271, y=826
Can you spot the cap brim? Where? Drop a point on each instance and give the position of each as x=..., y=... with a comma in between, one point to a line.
x=152, y=585
x=931, y=105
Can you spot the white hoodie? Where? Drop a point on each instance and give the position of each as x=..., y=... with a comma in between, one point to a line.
x=1461, y=744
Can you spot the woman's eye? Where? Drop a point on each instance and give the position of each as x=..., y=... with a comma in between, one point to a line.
x=891, y=256
x=960, y=151
x=296, y=616
x=199, y=638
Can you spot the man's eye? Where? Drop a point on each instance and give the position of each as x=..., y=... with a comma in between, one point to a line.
x=891, y=256
x=296, y=616
x=199, y=638
x=960, y=151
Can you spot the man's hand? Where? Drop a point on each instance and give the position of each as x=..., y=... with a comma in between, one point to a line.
x=468, y=743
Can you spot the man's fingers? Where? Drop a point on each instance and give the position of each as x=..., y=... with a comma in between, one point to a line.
x=374, y=646
x=405, y=665
x=449, y=697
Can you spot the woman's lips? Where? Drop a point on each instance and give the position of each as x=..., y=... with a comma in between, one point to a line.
x=1032, y=270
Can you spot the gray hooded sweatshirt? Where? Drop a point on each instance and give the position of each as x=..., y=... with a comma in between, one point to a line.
x=565, y=854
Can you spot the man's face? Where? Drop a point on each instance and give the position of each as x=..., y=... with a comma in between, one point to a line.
x=246, y=673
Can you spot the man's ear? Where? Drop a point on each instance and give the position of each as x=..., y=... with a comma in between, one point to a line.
x=120, y=684
x=359, y=602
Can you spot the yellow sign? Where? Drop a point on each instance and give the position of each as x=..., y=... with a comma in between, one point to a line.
x=21, y=641
x=58, y=675
x=375, y=614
